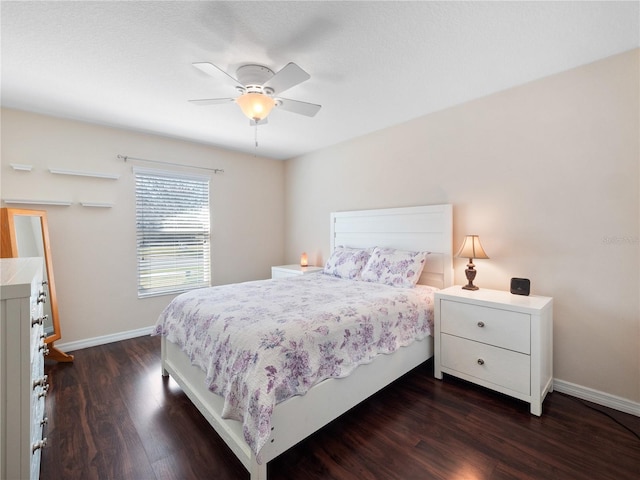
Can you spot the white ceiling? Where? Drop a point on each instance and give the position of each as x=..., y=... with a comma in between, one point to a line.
x=372, y=64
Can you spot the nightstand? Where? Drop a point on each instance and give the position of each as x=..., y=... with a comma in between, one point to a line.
x=496, y=339
x=292, y=270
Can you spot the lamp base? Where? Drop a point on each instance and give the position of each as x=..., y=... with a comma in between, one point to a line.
x=470, y=272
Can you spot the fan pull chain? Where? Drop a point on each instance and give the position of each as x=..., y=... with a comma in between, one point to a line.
x=256, y=135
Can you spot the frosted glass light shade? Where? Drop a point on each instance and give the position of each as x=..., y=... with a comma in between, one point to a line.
x=256, y=106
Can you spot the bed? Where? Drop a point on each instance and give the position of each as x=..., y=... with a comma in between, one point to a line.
x=424, y=228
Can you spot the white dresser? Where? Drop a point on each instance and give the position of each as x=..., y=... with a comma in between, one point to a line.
x=496, y=339
x=292, y=270
x=23, y=385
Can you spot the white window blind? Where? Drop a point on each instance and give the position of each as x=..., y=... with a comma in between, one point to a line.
x=172, y=223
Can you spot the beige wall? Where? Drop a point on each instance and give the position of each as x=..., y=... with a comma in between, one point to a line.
x=93, y=249
x=547, y=174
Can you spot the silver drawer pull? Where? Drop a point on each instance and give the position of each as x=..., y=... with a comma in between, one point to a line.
x=480, y=361
x=44, y=421
x=38, y=321
x=42, y=297
x=40, y=444
x=481, y=324
x=40, y=382
x=44, y=392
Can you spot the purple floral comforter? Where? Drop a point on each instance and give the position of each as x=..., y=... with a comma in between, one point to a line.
x=265, y=341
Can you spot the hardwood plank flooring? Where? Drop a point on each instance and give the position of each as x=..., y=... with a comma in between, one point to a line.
x=113, y=416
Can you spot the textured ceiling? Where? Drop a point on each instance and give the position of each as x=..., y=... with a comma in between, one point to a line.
x=372, y=64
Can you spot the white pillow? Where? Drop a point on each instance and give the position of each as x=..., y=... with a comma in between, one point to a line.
x=398, y=268
x=347, y=262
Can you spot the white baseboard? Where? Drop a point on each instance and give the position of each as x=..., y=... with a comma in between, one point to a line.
x=595, y=396
x=95, y=341
x=585, y=393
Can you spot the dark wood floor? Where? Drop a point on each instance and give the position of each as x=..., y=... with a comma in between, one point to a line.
x=113, y=416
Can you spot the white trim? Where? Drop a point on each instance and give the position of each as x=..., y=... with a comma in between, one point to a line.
x=103, y=340
x=601, y=398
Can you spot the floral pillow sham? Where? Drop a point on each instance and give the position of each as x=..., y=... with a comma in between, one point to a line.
x=347, y=262
x=398, y=268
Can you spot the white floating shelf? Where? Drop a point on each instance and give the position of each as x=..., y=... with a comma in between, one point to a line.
x=96, y=204
x=60, y=171
x=62, y=203
x=21, y=167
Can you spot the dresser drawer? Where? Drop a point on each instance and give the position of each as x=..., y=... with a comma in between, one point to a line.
x=502, y=328
x=492, y=364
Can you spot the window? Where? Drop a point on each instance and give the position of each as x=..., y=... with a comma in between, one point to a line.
x=172, y=224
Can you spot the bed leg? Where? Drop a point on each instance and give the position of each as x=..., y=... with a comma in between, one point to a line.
x=258, y=471
x=163, y=355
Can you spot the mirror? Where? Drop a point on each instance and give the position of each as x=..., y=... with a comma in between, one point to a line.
x=25, y=234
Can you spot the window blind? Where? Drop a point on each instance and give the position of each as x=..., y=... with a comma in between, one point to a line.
x=172, y=224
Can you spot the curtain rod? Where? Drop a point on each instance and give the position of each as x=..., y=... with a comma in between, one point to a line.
x=214, y=170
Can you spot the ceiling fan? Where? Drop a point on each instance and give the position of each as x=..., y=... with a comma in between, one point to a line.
x=259, y=90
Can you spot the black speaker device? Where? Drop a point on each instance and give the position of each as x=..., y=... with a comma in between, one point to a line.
x=520, y=286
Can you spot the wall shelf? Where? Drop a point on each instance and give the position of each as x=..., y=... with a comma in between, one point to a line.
x=21, y=167
x=60, y=171
x=62, y=203
x=96, y=204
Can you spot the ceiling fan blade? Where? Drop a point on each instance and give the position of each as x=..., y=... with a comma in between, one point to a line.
x=289, y=76
x=211, y=101
x=212, y=70
x=296, y=106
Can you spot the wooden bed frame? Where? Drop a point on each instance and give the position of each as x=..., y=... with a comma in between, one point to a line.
x=412, y=228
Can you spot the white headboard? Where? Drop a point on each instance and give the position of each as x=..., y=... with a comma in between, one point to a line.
x=426, y=228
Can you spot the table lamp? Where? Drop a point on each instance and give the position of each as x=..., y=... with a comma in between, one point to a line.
x=471, y=248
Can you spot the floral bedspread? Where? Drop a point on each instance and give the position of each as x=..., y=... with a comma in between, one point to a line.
x=265, y=341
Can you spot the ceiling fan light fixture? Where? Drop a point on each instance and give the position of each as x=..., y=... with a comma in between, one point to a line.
x=256, y=106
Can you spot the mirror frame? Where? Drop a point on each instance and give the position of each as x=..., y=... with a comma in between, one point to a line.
x=9, y=249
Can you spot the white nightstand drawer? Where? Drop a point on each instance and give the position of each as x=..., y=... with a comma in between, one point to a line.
x=501, y=367
x=502, y=328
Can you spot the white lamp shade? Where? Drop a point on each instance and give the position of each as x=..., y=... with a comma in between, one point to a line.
x=471, y=248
